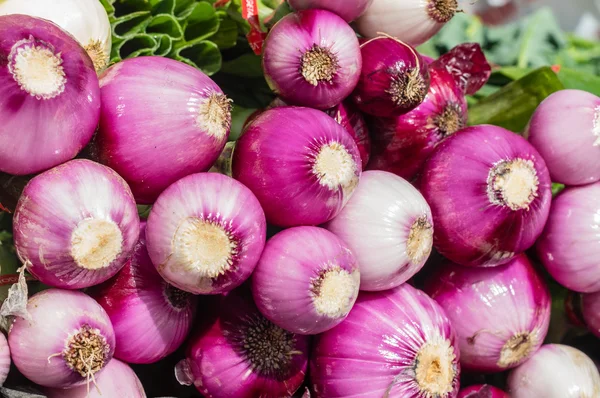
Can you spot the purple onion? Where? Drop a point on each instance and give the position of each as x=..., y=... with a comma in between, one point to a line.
x=466, y=62
x=49, y=95
x=565, y=129
x=590, y=309
x=395, y=343
x=500, y=314
x=348, y=10
x=4, y=359
x=205, y=233
x=161, y=120
x=312, y=58
x=489, y=193
x=482, y=391
x=306, y=291
x=301, y=165
x=75, y=225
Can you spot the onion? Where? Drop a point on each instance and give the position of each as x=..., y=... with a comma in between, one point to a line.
x=301, y=165
x=394, y=78
x=501, y=314
x=555, y=371
x=75, y=225
x=68, y=340
x=312, y=58
x=466, y=62
x=151, y=318
x=482, y=391
x=86, y=20
x=396, y=343
x=413, y=21
x=565, y=129
x=161, y=120
x=403, y=143
x=387, y=225
x=489, y=193
x=205, y=233
x=4, y=359
x=243, y=355
x=569, y=247
x=590, y=310
x=49, y=95
x=305, y=291
x=349, y=10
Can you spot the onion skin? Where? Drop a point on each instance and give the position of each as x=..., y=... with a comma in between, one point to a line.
x=365, y=358
x=569, y=246
x=470, y=229
x=4, y=359
x=52, y=209
x=590, y=310
x=490, y=306
x=154, y=136
x=482, y=391
x=467, y=64
x=348, y=10
x=555, y=371
x=565, y=129
x=38, y=133
x=276, y=155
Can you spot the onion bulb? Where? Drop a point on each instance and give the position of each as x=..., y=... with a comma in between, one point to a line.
x=4, y=359
x=348, y=10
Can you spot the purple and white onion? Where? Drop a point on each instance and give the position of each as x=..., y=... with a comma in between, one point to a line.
x=4, y=359
x=348, y=10
x=482, y=391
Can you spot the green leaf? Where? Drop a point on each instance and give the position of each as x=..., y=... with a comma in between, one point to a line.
x=226, y=36
x=136, y=46
x=201, y=23
x=130, y=24
x=541, y=39
x=144, y=211
x=110, y=9
x=513, y=72
x=165, y=43
x=165, y=24
x=164, y=7
x=204, y=55
x=248, y=65
x=557, y=188
x=574, y=79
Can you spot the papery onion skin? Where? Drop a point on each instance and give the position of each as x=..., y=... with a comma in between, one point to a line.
x=555, y=371
x=204, y=215
x=161, y=120
x=306, y=291
x=301, y=165
x=376, y=223
x=148, y=325
x=374, y=351
x=473, y=181
x=500, y=314
x=590, y=310
x=569, y=246
x=348, y=10
x=75, y=225
x=403, y=143
x=565, y=129
x=45, y=121
x=4, y=359
x=467, y=64
x=482, y=391
x=312, y=58
x=37, y=347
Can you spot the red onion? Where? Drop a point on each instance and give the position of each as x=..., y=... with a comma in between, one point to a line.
x=161, y=120
x=467, y=64
x=489, y=193
x=403, y=143
x=151, y=318
x=305, y=291
x=590, y=310
x=243, y=355
x=205, y=233
x=387, y=225
x=312, y=58
x=482, y=391
x=75, y=225
x=569, y=247
x=68, y=340
x=555, y=371
x=394, y=78
x=49, y=96
x=349, y=10
x=565, y=129
x=301, y=165
x=396, y=343
x=500, y=314
x=4, y=359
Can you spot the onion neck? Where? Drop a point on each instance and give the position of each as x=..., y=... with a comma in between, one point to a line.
x=318, y=65
x=335, y=167
x=449, y=120
x=513, y=183
x=334, y=291
x=442, y=11
x=420, y=240
x=96, y=243
x=95, y=50
x=596, y=126
x=435, y=369
x=86, y=351
x=517, y=348
x=407, y=87
x=214, y=115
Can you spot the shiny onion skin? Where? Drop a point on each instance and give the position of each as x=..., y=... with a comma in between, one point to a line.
x=590, y=311
x=482, y=391
x=75, y=225
x=489, y=193
x=151, y=318
x=569, y=247
x=301, y=165
x=395, y=343
x=348, y=10
x=402, y=144
x=49, y=95
x=67, y=342
x=312, y=58
x=4, y=359
x=466, y=62
x=500, y=314
x=161, y=120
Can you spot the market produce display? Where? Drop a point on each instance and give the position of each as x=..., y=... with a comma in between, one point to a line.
x=296, y=198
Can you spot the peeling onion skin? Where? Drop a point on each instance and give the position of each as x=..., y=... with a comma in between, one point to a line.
x=154, y=127
x=569, y=247
x=344, y=363
x=590, y=308
x=4, y=359
x=54, y=230
x=489, y=308
x=482, y=391
x=555, y=371
x=473, y=228
x=45, y=122
x=348, y=10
